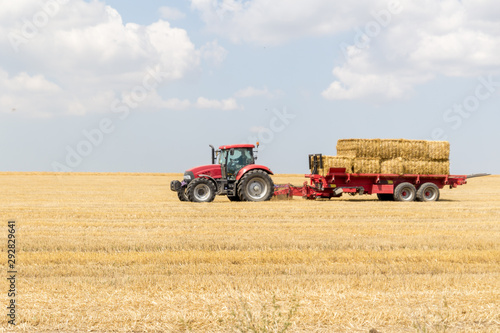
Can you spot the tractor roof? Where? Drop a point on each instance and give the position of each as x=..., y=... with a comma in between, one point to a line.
x=237, y=146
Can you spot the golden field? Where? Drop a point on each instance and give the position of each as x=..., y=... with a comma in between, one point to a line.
x=120, y=253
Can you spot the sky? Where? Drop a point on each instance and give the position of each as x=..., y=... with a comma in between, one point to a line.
x=146, y=86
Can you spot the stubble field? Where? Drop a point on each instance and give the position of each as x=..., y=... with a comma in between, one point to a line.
x=119, y=252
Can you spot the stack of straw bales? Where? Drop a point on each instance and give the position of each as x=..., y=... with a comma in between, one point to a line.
x=390, y=156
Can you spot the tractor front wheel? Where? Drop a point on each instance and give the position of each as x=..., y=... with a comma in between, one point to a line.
x=201, y=190
x=256, y=185
x=181, y=194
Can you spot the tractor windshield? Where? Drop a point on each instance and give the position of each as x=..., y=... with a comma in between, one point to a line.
x=235, y=159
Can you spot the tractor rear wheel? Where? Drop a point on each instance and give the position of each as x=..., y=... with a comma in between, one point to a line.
x=255, y=185
x=385, y=197
x=201, y=190
x=405, y=192
x=428, y=192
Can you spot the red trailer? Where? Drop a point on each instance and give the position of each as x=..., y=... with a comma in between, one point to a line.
x=387, y=186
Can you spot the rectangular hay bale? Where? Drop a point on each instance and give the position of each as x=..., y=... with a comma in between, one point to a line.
x=390, y=148
x=366, y=165
x=417, y=167
x=438, y=150
x=359, y=148
x=335, y=162
x=414, y=150
x=392, y=166
x=439, y=167
x=339, y=162
x=351, y=153
x=395, y=156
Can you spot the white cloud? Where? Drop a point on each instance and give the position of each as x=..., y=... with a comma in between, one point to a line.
x=253, y=92
x=277, y=21
x=213, y=53
x=409, y=44
x=427, y=39
x=171, y=13
x=83, y=55
x=156, y=102
x=225, y=104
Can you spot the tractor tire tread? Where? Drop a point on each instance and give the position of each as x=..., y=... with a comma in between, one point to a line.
x=192, y=185
x=247, y=177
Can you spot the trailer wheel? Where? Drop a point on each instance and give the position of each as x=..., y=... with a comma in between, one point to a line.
x=255, y=185
x=405, y=192
x=201, y=190
x=385, y=197
x=428, y=192
x=181, y=194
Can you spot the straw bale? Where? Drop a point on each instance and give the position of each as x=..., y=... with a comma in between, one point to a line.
x=366, y=165
x=392, y=166
x=347, y=147
x=359, y=148
x=439, y=167
x=414, y=150
x=339, y=162
x=393, y=156
x=390, y=148
x=352, y=153
x=417, y=167
x=335, y=162
x=438, y=150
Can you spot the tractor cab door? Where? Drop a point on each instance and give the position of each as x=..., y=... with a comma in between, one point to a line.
x=223, y=163
x=236, y=158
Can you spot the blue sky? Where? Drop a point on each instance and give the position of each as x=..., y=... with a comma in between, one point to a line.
x=129, y=86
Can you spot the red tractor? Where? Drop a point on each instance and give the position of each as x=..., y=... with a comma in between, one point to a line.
x=235, y=175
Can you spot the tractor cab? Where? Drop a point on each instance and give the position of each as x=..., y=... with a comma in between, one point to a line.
x=233, y=158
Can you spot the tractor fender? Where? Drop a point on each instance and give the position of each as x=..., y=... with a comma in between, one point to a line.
x=251, y=167
x=212, y=179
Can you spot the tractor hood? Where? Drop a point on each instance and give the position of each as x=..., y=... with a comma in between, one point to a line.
x=212, y=170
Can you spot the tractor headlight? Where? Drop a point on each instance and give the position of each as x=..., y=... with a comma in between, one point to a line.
x=188, y=176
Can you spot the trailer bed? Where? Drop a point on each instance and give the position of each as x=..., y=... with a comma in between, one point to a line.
x=406, y=187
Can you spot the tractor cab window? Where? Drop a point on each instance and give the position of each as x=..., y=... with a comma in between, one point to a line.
x=223, y=157
x=237, y=158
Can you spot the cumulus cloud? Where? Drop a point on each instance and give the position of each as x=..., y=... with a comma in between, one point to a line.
x=394, y=45
x=225, y=104
x=84, y=54
x=448, y=38
x=277, y=21
x=156, y=102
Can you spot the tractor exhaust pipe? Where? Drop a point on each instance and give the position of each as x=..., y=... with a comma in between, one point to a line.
x=213, y=153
